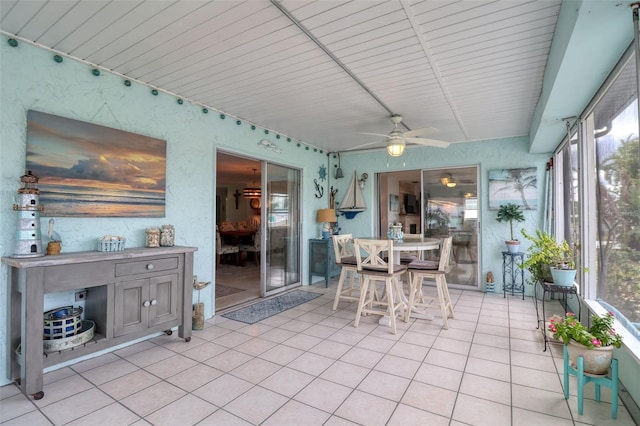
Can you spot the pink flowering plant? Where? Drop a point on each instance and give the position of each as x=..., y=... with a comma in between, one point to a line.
x=600, y=334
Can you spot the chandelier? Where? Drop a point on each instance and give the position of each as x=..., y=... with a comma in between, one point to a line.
x=253, y=191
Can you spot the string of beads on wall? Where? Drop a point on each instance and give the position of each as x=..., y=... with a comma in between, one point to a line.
x=96, y=71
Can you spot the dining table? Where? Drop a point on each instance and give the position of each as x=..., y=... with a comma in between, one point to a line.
x=408, y=244
x=237, y=236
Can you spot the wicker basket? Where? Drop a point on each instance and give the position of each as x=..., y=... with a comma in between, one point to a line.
x=108, y=244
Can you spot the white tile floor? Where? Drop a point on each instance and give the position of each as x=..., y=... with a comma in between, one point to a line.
x=310, y=366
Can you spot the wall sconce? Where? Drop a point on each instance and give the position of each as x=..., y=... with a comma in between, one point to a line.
x=363, y=180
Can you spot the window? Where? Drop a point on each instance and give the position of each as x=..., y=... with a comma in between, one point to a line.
x=603, y=170
x=617, y=160
x=568, y=210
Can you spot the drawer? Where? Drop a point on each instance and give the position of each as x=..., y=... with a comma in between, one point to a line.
x=69, y=277
x=146, y=266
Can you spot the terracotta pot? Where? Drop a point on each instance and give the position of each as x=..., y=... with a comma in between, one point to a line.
x=596, y=360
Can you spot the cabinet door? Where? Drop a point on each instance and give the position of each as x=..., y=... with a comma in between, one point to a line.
x=163, y=295
x=318, y=257
x=130, y=313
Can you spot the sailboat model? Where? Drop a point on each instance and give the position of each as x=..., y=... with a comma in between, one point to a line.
x=353, y=202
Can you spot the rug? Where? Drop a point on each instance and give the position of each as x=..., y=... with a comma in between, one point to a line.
x=270, y=307
x=223, y=290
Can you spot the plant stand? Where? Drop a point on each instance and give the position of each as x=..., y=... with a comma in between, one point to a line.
x=584, y=378
x=551, y=288
x=512, y=274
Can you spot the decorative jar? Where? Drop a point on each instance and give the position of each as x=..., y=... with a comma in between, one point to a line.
x=167, y=236
x=153, y=237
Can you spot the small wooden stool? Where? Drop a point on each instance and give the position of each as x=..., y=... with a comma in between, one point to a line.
x=584, y=378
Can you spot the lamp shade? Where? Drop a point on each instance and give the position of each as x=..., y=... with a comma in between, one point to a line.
x=395, y=148
x=326, y=215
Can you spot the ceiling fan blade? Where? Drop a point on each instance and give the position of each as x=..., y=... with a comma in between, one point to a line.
x=429, y=142
x=420, y=132
x=363, y=145
x=373, y=134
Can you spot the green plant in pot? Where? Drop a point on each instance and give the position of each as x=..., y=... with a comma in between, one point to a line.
x=546, y=253
x=595, y=344
x=511, y=213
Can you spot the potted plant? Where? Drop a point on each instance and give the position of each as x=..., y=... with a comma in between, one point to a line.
x=509, y=213
x=564, y=270
x=595, y=344
x=544, y=253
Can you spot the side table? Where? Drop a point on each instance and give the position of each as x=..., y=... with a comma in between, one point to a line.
x=322, y=259
x=512, y=274
x=552, y=288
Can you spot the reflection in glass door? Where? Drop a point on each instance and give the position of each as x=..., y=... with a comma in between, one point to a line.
x=450, y=203
x=281, y=229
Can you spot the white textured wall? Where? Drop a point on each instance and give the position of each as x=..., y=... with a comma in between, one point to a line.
x=31, y=79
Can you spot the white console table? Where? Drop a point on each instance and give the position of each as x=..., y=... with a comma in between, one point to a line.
x=130, y=294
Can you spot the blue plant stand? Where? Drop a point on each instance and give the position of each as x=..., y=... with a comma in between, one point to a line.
x=584, y=378
x=512, y=274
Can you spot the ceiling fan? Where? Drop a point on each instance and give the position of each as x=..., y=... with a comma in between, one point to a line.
x=397, y=139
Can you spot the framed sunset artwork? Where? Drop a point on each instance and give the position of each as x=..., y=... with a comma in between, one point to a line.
x=87, y=170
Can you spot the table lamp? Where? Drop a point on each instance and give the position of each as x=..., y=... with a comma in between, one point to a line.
x=326, y=216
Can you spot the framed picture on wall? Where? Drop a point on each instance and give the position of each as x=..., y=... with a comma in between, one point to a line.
x=517, y=186
x=394, y=203
x=87, y=170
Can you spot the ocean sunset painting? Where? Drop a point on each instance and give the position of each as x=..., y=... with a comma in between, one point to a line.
x=87, y=170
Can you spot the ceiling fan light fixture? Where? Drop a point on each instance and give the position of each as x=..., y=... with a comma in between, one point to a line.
x=395, y=148
x=448, y=181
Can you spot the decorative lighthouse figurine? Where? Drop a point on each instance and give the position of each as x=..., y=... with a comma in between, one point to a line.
x=28, y=240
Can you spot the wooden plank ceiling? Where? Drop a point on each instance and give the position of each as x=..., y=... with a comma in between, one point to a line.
x=318, y=71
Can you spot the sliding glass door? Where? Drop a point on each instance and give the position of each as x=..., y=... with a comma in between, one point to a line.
x=280, y=229
x=450, y=208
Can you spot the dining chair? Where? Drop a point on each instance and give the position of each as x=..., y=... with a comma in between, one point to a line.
x=227, y=225
x=254, y=247
x=343, y=247
x=420, y=270
x=372, y=266
x=225, y=249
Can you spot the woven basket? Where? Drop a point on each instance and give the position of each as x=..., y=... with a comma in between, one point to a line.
x=111, y=245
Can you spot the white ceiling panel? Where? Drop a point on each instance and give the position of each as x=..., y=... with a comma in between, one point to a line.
x=320, y=71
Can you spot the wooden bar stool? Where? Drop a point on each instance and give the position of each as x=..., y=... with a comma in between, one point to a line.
x=345, y=257
x=372, y=266
x=434, y=270
x=584, y=378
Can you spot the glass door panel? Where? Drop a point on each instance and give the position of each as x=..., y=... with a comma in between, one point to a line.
x=450, y=208
x=281, y=229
